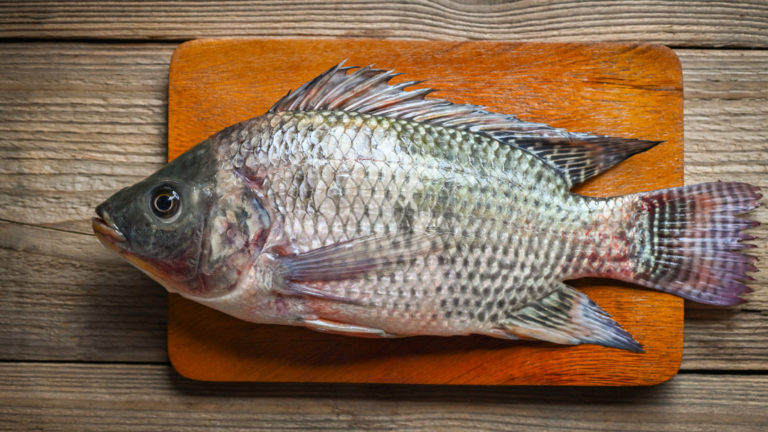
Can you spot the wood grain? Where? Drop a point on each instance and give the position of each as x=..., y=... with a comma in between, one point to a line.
x=55, y=397
x=63, y=298
x=81, y=120
x=77, y=122
x=88, y=105
x=678, y=23
x=610, y=89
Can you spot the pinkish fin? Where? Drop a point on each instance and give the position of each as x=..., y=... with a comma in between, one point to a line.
x=335, y=327
x=576, y=156
x=694, y=241
x=567, y=316
x=355, y=258
x=296, y=289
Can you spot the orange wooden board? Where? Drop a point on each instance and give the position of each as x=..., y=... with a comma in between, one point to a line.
x=611, y=89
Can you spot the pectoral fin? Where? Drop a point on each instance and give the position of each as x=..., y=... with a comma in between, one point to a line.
x=292, y=288
x=306, y=274
x=356, y=258
x=567, y=316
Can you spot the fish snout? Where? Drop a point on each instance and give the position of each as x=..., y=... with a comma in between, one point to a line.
x=104, y=226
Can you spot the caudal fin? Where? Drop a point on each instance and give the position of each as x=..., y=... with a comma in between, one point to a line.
x=693, y=241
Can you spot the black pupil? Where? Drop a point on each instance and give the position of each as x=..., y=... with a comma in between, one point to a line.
x=166, y=202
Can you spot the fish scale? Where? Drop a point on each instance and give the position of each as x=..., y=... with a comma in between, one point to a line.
x=477, y=204
x=356, y=207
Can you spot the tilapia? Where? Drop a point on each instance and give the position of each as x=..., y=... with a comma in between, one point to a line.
x=358, y=207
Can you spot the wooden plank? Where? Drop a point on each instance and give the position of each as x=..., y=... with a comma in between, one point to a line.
x=681, y=23
x=725, y=339
x=79, y=121
x=611, y=89
x=64, y=298
x=111, y=398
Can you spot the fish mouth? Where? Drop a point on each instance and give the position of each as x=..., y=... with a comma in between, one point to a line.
x=105, y=227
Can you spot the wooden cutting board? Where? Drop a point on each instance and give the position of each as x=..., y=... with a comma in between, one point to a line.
x=611, y=89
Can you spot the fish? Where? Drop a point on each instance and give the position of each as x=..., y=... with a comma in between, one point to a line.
x=360, y=207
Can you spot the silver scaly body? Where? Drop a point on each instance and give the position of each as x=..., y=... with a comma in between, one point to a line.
x=356, y=207
x=510, y=228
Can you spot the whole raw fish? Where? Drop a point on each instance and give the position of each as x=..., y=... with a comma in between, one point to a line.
x=354, y=206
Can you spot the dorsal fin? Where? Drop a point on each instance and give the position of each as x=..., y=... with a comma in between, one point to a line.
x=576, y=156
x=579, y=157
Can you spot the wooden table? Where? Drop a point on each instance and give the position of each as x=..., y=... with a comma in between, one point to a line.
x=83, y=92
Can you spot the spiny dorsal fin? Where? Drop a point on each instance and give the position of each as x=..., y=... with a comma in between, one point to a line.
x=576, y=156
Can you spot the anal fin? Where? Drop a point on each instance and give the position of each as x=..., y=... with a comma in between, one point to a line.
x=567, y=316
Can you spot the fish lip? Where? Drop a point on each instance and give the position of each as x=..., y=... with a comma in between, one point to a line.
x=105, y=227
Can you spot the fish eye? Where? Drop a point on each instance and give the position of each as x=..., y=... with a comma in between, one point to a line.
x=165, y=202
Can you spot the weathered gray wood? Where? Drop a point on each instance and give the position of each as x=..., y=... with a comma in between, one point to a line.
x=64, y=297
x=76, y=123
x=55, y=397
x=679, y=23
x=79, y=121
x=725, y=339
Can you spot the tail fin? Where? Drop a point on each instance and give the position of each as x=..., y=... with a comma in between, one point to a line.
x=693, y=241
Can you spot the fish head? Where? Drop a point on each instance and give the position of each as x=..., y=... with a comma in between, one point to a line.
x=180, y=226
